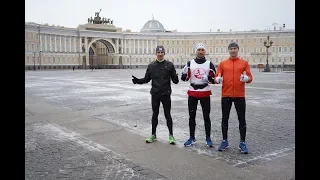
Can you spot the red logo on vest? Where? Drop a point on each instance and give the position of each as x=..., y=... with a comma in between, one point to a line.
x=198, y=72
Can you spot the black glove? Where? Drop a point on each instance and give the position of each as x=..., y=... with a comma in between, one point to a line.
x=134, y=80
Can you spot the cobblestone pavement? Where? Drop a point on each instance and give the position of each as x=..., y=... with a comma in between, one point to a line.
x=270, y=110
x=53, y=152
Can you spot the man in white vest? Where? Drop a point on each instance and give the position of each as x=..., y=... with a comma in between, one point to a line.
x=200, y=72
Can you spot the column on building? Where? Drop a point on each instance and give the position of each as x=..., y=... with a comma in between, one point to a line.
x=65, y=43
x=138, y=46
x=134, y=46
x=70, y=49
x=80, y=50
x=147, y=46
x=55, y=43
x=50, y=45
x=86, y=44
x=122, y=44
x=117, y=46
x=125, y=46
x=129, y=42
x=60, y=48
x=74, y=44
x=143, y=41
x=45, y=43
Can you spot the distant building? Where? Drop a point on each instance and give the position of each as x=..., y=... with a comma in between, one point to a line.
x=106, y=46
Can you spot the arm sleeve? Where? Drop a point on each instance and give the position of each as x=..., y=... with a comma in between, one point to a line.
x=147, y=77
x=212, y=73
x=173, y=75
x=186, y=72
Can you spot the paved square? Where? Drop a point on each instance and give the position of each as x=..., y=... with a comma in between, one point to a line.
x=110, y=96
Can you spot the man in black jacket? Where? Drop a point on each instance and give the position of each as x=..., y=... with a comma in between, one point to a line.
x=160, y=72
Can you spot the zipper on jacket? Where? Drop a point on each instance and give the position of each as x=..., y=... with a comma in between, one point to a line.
x=233, y=78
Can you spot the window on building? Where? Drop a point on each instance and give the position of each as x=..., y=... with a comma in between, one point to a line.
x=290, y=59
x=272, y=59
x=279, y=49
x=217, y=49
x=279, y=59
x=291, y=49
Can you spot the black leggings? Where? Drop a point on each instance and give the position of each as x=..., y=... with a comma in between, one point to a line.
x=192, y=105
x=166, y=103
x=240, y=105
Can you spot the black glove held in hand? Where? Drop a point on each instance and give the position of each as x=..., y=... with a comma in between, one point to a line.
x=134, y=80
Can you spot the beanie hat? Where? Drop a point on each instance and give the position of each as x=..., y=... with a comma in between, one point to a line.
x=160, y=48
x=200, y=45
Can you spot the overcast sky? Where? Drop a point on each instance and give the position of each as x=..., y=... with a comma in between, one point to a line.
x=180, y=15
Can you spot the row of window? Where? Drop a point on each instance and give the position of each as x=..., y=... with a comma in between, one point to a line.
x=220, y=41
x=36, y=36
x=52, y=60
x=279, y=49
x=217, y=60
x=35, y=47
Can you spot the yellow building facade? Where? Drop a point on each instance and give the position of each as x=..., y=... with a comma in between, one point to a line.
x=107, y=46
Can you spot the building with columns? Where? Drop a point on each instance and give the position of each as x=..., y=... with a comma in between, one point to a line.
x=102, y=45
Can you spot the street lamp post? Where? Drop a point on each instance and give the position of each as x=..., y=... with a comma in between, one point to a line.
x=40, y=59
x=34, y=61
x=267, y=43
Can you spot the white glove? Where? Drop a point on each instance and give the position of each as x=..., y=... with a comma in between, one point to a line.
x=244, y=77
x=219, y=79
x=185, y=69
x=204, y=78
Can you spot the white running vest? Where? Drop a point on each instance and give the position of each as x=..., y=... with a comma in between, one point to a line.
x=197, y=71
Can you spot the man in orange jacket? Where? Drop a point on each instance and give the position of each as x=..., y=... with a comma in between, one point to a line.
x=233, y=73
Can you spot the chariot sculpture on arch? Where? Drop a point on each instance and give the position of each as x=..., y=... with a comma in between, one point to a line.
x=98, y=20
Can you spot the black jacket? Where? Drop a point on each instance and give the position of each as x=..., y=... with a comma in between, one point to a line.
x=160, y=73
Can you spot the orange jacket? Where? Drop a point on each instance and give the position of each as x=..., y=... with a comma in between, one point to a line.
x=231, y=70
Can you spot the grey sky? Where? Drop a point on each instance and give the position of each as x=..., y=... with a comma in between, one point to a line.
x=182, y=15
